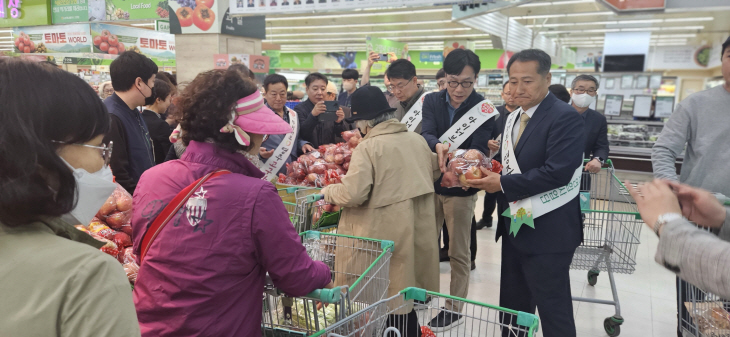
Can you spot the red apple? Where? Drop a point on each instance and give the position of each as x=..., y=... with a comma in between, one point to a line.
x=122, y=240
x=118, y=219
x=312, y=177
x=473, y=173
x=127, y=229
x=107, y=233
x=346, y=165
x=124, y=203
x=339, y=159
x=474, y=155
x=328, y=208
x=449, y=180
x=109, y=206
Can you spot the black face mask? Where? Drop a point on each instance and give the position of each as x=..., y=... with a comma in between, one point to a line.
x=152, y=97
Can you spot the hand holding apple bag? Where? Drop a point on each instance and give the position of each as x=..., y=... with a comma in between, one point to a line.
x=468, y=165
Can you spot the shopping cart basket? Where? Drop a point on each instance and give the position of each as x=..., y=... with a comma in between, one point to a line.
x=300, y=202
x=612, y=227
x=708, y=315
x=359, y=266
x=478, y=319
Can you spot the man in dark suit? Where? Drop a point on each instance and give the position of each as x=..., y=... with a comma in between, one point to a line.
x=490, y=199
x=548, y=134
x=585, y=90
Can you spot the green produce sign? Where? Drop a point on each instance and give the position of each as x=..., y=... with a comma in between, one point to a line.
x=65, y=11
x=21, y=13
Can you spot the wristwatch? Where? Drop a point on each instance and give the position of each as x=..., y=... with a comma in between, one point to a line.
x=663, y=219
x=599, y=160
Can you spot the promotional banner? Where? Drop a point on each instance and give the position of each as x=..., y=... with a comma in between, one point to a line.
x=111, y=39
x=431, y=56
x=20, y=13
x=65, y=11
x=450, y=45
x=257, y=7
x=52, y=39
x=257, y=64
x=209, y=16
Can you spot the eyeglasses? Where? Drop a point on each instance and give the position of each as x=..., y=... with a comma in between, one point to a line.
x=465, y=85
x=106, y=150
x=581, y=91
x=399, y=87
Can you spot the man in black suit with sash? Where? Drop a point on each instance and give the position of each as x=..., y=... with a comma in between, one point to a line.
x=539, y=184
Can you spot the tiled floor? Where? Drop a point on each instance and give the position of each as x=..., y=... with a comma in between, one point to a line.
x=647, y=297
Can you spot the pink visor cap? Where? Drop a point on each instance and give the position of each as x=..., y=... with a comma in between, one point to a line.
x=251, y=115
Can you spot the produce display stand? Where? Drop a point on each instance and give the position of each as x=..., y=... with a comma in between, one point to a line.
x=359, y=266
x=708, y=313
x=612, y=227
x=480, y=319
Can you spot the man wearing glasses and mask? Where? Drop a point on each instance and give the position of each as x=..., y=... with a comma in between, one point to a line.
x=584, y=93
x=404, y=86
x=457, y=106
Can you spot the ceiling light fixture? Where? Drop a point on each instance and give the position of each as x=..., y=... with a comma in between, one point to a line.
x=365, y=25
x=336, y=16
x=151, y=24
x=372, y=33
x=619, y=22
x=611, y=30
x=396, y=38
x=554, y=3
x=548, y=16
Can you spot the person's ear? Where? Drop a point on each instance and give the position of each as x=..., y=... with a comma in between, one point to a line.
x=549, y=77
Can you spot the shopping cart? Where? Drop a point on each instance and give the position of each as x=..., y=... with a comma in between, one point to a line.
x=708, y=315
x=612, y=227
x=384, y=318
x=300, y=202
x=360, y=267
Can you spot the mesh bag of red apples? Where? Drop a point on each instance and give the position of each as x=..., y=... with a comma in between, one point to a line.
x=112, y=225
x=467, y=164
x=323, y=167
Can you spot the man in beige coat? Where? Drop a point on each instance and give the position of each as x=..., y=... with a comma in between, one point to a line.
x=388, y=194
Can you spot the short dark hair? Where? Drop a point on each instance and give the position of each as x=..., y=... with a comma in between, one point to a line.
x=544, y=62
x=350, y=74
x=166, y=76
x=273, y=79
x=560, y=92
x=584, y=77
x=163, y=89
x=724, y=46
x=206, y=105
x=504, y=85
x=125, y=69
x=458, y=59
x=440, y=74
x=35, y=183
x=243, y=70
x=313, y=77
x=401, y=68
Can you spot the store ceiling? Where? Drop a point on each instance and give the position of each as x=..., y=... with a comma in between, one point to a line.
x=572, y=23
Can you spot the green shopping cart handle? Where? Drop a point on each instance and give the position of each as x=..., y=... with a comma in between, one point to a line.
x=327, y=295
x=315, y=197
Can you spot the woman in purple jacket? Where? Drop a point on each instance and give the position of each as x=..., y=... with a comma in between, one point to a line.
x=204, y=273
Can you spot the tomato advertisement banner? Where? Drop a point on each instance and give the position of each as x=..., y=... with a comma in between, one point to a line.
x=20, y=13
x=65, y=11
x=258, y=64
x=112, y=39
x=52, y=39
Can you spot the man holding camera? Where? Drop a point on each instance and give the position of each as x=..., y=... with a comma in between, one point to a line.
x=317, y=125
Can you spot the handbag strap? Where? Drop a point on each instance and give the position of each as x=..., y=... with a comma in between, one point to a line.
x=171, y=209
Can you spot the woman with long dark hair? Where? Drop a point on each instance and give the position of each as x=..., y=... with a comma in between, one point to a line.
x=54, y=173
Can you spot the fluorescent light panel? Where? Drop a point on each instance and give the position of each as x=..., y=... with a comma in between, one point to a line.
x=609, y=30
x=143, y=24
x=620, y=22
x=335, y=16
x=372, y=33
x=397, y=38
x=568, y=15
x=383, y=24
x=554, y=3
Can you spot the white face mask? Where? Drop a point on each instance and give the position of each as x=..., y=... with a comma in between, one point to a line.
x=348, y=86
x=92, y=189
x=582, y=100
